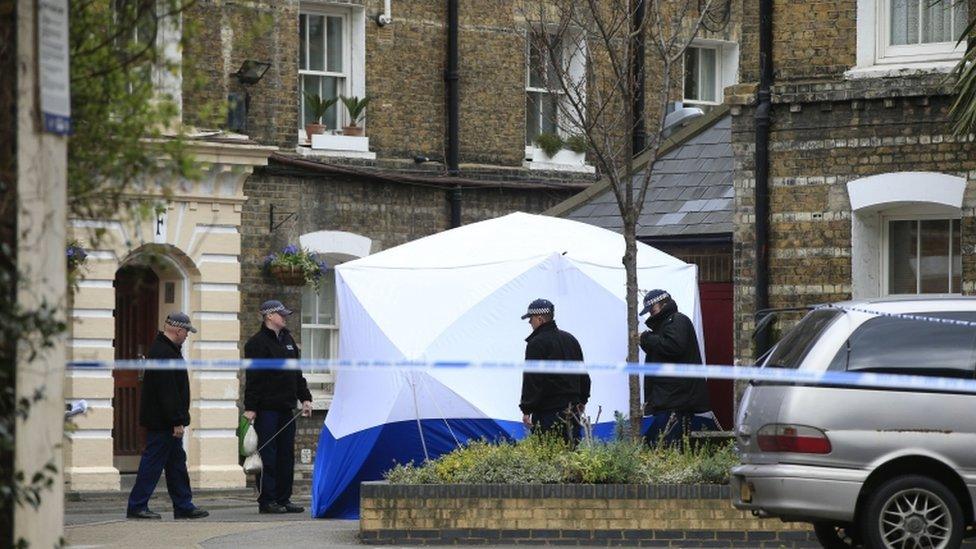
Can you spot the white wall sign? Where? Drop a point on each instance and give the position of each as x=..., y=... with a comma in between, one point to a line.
x=53, y=64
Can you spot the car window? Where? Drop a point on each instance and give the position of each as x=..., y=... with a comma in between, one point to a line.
x=794, y=346
x=908, y=346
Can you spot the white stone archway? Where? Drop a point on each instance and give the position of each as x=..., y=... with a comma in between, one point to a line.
x=195, y=231
x=896, y=193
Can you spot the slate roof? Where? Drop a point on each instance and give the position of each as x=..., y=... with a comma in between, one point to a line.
x=691, y=189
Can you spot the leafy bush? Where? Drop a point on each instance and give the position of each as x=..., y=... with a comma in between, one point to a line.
x=547, y=460
x=550, y=143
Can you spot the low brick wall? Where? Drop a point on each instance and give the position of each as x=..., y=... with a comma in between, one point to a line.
x=659, y=516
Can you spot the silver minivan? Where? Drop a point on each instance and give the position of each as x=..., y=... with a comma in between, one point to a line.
x=865, y=465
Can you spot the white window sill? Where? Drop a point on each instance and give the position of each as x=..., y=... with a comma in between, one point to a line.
x=338, y=146
x=900, y=69
x=564, y=161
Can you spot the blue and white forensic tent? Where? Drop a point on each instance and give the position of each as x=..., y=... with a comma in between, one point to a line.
x=458, y=296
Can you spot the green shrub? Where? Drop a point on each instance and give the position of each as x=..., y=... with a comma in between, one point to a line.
x=550, y=143
x=411, y=474
x=547, y=460
x=597, y=462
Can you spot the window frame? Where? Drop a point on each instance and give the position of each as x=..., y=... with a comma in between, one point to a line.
x=718, y=78
x=885, y=254
x=333, y=328
x=886, y=54
x=321, y=398
x=347, y=62
x=165, y=70
x=528, y=88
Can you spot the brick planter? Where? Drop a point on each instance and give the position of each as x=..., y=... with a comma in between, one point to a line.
x=659, y=516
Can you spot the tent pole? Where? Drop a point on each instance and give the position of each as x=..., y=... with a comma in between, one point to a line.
x=416, y=413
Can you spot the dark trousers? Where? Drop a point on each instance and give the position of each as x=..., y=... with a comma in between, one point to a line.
x=278, y=457
x=670, y=428
x=559, y=421
x=163, y=451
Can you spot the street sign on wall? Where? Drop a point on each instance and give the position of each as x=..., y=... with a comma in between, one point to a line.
x=52, y=66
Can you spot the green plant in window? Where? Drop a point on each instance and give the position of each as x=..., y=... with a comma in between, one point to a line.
x=317, y=107
x=550, y=143
x=577, y=143
x=356, y=108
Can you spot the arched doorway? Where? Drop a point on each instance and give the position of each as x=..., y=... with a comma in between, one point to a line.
x=136, y=323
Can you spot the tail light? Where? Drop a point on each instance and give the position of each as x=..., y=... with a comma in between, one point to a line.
x=800, y=439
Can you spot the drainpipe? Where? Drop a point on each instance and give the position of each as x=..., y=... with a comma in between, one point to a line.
x=637, y=69
x=453, y=101
x=763, y=110
x=386, y=17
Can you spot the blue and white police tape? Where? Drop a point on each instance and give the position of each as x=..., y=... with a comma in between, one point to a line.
x=873, y=380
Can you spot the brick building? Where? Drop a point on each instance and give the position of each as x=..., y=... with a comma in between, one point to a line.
x=270, y=184
x=870, y=193
x=347, y=197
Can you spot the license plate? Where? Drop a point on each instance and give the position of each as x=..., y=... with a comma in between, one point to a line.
x=745, y=491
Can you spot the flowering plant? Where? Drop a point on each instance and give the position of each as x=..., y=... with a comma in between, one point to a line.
x=295, y=265
x=76, y=255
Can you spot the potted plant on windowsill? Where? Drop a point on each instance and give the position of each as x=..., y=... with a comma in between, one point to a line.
x=356, y=108
x=317, y=107
x=295, y=266
x=555, y=152
x=549, y=143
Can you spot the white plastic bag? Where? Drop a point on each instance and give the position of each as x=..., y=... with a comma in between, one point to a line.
x=250, y=446
x=253, y=464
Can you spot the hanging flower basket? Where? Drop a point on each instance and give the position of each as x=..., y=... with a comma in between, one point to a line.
x=294, y=266
x=288, y=275
x=76, y=256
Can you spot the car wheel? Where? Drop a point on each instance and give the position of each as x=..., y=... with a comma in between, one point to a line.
x=836, y=535
x=912, y=511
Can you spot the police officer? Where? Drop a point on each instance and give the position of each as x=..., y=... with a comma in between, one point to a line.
x=165, y=411
x=552, y=402
x=673, y=402
x=269, y=402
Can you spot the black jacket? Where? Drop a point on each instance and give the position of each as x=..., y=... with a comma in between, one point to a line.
x=165, y=399
x=277, y=390
x=544, y=392
x=672, y=339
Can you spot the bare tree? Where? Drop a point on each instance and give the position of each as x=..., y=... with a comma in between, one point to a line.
x=583, y=53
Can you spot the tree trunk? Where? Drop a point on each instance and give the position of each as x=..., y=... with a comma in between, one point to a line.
x=8, y=267
x=630, y=267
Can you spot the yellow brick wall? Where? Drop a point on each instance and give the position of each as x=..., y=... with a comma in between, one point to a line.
x=561, y=514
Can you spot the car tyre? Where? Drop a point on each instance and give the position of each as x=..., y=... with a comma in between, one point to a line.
x=836, y=535
x=912, y=507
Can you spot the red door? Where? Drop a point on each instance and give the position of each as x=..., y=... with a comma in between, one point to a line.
x=136, y=319
x=716, y=303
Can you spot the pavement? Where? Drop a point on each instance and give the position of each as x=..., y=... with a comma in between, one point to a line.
x=233, y=522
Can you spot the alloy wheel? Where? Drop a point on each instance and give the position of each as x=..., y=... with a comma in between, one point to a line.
x=915, y=518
